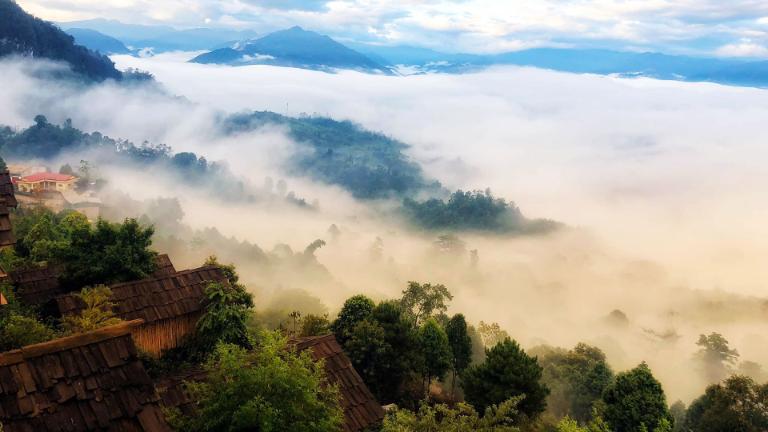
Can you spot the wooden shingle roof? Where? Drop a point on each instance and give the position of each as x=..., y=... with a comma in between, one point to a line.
x=6, y=190
x=36, y=286
x=87, y=382
x=164, y=266
x=6, y=231
x=361, y=409
x=155, y=299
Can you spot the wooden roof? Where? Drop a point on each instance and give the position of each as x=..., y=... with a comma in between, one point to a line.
x=37, y=286
x=87, y=382
x=361, y=409
x=164, y=266
x=6, y=231
x=6, y=189
x=155, y=299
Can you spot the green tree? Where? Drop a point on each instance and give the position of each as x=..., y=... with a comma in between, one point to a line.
x=737, y=404
x=19, y=326
x=384, y=348
x=461, y=347
x=715, y=357
x=355, y=309
x=224, y=320
x=568, y=424
x=635, y=402
x=576, y=378
x=98, y=311
x=108, y=253
x=315, y=325
x=506, y=372
x=421, y=301
x=492, y=334
x=436, y=351
x=66, y=169
x=462, y=418
x=678, y=412
x=269, y=389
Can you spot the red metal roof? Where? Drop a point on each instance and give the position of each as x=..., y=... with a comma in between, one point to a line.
x=47, y=176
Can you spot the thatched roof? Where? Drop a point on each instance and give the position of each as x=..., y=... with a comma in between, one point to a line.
x=87, y=382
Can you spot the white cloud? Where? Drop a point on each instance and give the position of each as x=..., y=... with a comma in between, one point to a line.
x=468, y=25
x=745, y=48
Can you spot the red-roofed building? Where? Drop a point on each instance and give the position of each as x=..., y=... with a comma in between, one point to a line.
x=46, y=181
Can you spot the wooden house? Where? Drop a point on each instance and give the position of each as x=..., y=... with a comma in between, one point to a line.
x=88, y=382
x=169, y=305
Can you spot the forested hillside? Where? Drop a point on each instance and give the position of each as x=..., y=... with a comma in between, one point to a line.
x=368, y=164
x=24, y=35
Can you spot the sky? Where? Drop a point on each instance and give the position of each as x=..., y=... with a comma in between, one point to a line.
x=737, y=28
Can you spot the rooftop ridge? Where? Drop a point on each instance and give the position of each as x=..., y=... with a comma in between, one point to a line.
x=68, y=342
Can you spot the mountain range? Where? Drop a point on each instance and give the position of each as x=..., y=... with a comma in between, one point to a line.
x=294, y=47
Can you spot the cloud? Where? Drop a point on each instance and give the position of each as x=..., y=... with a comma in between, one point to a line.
x=662, y=181
x=454, y=25
x=745, y=48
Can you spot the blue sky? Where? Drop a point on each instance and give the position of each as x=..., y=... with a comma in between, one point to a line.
x=736, y=28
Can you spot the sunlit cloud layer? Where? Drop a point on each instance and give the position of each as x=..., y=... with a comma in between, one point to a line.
x=685, y=26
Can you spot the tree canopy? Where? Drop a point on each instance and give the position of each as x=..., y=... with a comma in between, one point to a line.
x=506, y=372
x=635, y=402
x=268, y=389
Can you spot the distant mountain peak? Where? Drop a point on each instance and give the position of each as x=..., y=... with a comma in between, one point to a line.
x=294, y=47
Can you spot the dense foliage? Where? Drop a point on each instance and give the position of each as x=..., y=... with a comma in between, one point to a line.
x=737, y=404
x=91, y=254
x=271, y=388
x=24, y=35
x=506, y=372
x=463, y=417
x=19, y=325
x=635, y=402
x=368, y=164
x=472, y=210
x=576, y=378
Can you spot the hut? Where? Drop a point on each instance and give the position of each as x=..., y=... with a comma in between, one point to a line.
x=361, y=409
x=169, y=305
x=164, y=266
x=87, y=382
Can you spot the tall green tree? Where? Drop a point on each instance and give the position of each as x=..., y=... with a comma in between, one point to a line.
x=436, y=351
x=506, y=372
x=635, y=402
x=397, y=357
x=421, y=301
x=715, y=357
x=576, y=378
x=269, y=389
x=461, y=347
x=737, y=404
x=355, y=309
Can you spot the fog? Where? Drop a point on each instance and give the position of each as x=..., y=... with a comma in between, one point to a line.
x=661, y=184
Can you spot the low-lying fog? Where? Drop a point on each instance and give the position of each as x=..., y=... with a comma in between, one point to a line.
x=662, y=183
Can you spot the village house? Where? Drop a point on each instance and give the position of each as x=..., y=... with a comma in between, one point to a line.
x=46, y=181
